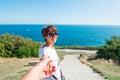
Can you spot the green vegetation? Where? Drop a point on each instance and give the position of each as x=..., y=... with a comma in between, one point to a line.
x=104, y=61
x=78, y=47
x=111, y=49
x=17, y=46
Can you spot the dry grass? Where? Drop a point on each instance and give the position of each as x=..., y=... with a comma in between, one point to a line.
x=106, y=68
x=14, y=68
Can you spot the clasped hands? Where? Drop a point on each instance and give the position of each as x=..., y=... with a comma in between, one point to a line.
x=42, y=70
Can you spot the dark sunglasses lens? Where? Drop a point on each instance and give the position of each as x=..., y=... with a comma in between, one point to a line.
x=56, y=34
x=52, y=34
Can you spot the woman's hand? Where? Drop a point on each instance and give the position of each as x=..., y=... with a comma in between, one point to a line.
x=42, y=70
x=48, y=70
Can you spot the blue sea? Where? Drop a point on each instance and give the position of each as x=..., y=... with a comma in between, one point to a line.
x=81, y=35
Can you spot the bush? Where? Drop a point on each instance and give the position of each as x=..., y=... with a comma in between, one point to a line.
x=111, y=49
x=17, y=46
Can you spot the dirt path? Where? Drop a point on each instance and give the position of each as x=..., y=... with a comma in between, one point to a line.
x=73, y=69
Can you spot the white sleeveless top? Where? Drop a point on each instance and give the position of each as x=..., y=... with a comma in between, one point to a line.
x=51, y=52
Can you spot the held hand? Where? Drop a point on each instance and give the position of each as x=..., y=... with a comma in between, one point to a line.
x=48, y=69
x=42, y=70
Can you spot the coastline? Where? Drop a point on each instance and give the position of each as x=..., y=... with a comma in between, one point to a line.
x=77, y=50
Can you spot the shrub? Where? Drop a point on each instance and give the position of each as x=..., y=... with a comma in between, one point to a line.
x=17, y=46
x=111, y=49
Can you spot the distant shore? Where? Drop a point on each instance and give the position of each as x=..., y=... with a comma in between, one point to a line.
x=77, y=50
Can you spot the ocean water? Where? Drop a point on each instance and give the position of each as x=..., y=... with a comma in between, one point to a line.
x=81, y=35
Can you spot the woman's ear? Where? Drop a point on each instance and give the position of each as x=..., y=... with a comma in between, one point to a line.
x=45, y=39
x=48, y=40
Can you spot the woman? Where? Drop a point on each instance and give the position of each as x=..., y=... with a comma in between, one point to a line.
x=50, y=34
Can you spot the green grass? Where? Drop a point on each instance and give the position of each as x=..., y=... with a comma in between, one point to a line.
x=78, y=47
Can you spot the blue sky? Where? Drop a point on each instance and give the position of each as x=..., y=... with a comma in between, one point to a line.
x=103, y=12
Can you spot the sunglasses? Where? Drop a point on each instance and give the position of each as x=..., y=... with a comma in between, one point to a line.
x=52, y=34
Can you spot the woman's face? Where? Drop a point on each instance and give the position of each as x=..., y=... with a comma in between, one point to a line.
x=53, y=36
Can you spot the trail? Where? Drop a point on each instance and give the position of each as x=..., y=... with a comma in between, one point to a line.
x=73, y=69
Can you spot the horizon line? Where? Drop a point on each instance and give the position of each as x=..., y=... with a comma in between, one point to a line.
x=56, y=24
